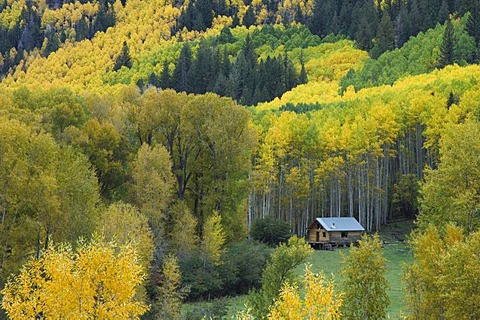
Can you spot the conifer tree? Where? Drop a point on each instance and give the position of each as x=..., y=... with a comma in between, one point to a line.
x=123, y=59
x=385, y=39
x=302, y=78
x=179, y=77
x=473, y=22
x=447, y=48
x=164, y=81
x=249, y=17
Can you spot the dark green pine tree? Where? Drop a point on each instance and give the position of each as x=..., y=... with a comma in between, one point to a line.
x=154, y=80
x=226, y=36
x=289, y=77
x=447, y=48
x=363, y=36
x=249, y=17
x=249, y=70
x=385, y=39
x=303, y=77
x=180, y=73
x=203, y=69
x=164, y=81
x=123, y=59
x=473, y=22
x=105, y=17
x=443, y=13
x=451, y=100
x=82, y=31
x=204, y=7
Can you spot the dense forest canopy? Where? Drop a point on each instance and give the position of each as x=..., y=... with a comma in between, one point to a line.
x=183, y=125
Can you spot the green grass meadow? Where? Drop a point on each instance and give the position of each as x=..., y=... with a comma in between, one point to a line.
x=396, y=253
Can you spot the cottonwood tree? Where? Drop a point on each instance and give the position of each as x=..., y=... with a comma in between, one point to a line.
x=48, y=194
x=213, y=238
x=364, y=281
x=210, y=140
x=170, y=292
x=153, y=184
x=280, y=269
x=123, y=223
x=451, y=192
x=442, y=283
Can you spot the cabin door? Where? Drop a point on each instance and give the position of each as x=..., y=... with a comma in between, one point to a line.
x=318, y=236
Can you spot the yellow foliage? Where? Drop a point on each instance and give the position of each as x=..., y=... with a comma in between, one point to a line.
x=99, y=280
x=320, y=301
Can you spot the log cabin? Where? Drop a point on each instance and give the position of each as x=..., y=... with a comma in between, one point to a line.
x=327, y=233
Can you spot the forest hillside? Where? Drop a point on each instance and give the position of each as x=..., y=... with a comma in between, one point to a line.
x=181, y=143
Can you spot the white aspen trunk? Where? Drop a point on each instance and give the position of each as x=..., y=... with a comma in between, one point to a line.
x=367, y=200
x=360, y=198
x=331, y=197
x=339, y=198
x=386, y=180
x=350, y=194
x=419, y=146
x=377, y=191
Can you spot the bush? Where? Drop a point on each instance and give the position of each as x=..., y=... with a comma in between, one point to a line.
x=270, y=231
x=239, y=271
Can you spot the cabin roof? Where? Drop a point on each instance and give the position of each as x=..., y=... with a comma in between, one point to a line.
x=340, y=224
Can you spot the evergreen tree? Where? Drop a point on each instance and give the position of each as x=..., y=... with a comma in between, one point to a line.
x=473, y=22
x=384, y=40
x=447, y=48
x=179, y=77
x=443, y=12
x=302, y=78
x=363, y=36
x=105, y=17
x=164, y=81
x=154, y=80
x=123, y=59
x=249, y=17
x=204, y=8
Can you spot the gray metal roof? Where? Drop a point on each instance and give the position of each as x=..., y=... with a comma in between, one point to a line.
x=340, y=224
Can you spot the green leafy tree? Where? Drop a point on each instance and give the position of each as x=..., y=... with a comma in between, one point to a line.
x=442, y=283
x=153, y=184
x=364, y=281
x=170, y=292
x=270, y=231
x=451, y=192
x=213, y=238
x=279, y=270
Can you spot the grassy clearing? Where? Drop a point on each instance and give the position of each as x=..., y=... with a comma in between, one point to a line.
x=395, y=252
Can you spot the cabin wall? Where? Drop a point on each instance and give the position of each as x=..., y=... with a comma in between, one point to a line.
x=316, y=234
x=351, y=236
x=320, y=235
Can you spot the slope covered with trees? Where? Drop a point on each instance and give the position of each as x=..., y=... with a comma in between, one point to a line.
x=173, y=128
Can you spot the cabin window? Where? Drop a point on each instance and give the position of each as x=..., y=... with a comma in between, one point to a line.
x=344, y=234
x=319, y=226
x=324, y=234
